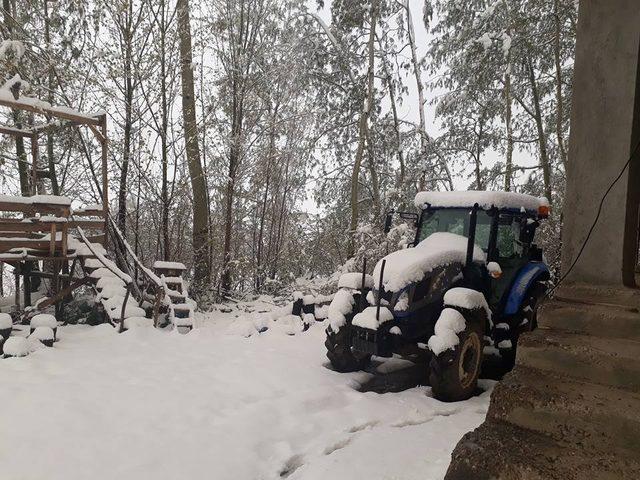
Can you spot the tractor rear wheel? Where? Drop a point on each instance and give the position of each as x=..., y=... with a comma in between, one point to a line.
x=454, y=374
x=339, y=352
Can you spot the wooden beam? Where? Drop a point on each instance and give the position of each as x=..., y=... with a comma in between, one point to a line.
x=38, y=106
x=62, y=293
x=16, y=132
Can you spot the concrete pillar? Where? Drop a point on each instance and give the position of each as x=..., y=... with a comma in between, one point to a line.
x=605, y=129
x=569, y=409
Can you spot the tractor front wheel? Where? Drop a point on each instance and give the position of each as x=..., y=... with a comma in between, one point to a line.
x=454, y=374
x=339, y=352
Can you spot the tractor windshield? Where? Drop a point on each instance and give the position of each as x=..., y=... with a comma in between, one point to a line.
x=455, y=220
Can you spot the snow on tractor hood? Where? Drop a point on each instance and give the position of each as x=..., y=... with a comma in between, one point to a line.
x=408, y=266
x=485, y=200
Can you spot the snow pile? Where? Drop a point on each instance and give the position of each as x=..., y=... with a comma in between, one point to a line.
x=129, y=311
x=109, y=281
x=369, y=319
x=405, y=267
x=16, y=347
x=466, y=298
x=353, y=280
x=341, y=306
x=43, y=320
x=137, y=322
x=449, y=324
x=169, y=265
x=484, y=199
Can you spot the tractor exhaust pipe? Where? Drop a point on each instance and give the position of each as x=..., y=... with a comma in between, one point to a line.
x=384, y=262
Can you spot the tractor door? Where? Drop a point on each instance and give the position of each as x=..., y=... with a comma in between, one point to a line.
x=511, y=254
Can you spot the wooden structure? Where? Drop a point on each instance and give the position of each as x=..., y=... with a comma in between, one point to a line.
x=45, y=228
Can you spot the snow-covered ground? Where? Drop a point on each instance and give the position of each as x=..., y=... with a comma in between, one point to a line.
x=214, y=404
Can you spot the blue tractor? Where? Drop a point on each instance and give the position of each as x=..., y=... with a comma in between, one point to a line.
x=471, y=282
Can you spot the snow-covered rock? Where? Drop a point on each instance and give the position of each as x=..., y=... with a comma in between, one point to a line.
x=445, y=337
x=16, y=347
x=43, y=320
x=5, y=321
x=44, y=335
x=368, y=318
x=405, y=267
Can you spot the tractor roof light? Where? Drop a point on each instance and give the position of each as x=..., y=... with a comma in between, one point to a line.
x=544, y=211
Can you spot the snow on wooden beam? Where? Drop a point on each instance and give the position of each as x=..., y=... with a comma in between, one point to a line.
x=10, y=97
x=16, y=132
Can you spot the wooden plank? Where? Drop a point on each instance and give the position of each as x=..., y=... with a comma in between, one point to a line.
x=89, y=213
x=11, y=226
x=8, y=244
x=49, y=110
x=87, y=224
x=97, y=239
x=30, y=209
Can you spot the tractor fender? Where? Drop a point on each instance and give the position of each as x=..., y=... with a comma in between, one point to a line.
x=528, y=274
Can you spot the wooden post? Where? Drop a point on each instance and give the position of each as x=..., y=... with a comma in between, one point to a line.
x=35, y=156
x=26, y=273
x=55, y=284
x=105, y=184
x=16, y=273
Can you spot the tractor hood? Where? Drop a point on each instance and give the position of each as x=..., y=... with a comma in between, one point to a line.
x=411, y=265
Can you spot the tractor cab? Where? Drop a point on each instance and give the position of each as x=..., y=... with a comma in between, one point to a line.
x=505, y=232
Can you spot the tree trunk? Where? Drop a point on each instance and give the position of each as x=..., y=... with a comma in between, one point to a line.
x=559, y=100
x=128, y=122
x=55, y=188
x=508, y=171
x=166, y=250
x=23, y=168
x=542, y=139
x=424, y=137
x=198, y=182
x=362, y=132
x=478, y=156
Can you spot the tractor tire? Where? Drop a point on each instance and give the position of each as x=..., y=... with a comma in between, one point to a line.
x=526, y=320
x=339, y=352
x=454, y=374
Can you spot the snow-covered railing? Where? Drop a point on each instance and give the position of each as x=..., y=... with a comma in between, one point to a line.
x=149, y=277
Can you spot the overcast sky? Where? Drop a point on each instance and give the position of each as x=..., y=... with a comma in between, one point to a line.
x=409, y=108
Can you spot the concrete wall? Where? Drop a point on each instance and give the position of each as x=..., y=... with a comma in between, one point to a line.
x=604, y=131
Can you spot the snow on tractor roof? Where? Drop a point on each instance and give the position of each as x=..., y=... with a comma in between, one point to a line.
x=405, y=267
x=484, y=199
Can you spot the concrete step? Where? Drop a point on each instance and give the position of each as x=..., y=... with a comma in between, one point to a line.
x=589, y=416
x=606, y=361
x=601, y=320
x=481, y=455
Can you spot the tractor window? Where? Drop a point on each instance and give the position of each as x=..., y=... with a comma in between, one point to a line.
x=483, y=230
x=456, y=220
x=508, y=241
